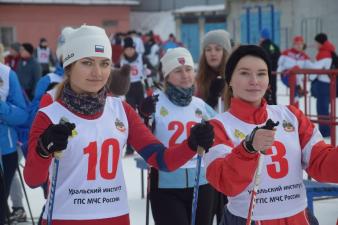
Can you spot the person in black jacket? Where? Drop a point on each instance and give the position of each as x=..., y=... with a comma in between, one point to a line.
x=210, y=80
x=274, y=52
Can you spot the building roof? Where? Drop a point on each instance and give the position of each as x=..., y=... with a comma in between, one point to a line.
x=200, y=9
x=73, y=2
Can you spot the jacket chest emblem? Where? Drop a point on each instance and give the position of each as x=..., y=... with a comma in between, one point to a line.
x=119, y=125
x=198, y=113
x=288, y=127
x=239, y=134
x=163, y=111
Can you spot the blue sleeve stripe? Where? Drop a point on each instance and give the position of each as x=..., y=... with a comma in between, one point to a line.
x=151, y=149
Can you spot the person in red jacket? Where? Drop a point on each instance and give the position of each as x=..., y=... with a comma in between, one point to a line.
x=90, y=128
x=294, y=58
x=322, y=82
x=291, y=147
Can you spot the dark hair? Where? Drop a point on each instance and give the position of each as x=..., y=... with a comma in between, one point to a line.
x=28, y=47
x=242, y=51
x=321, y=38
x=128, y=43
x=43, y=39
x=236, y=55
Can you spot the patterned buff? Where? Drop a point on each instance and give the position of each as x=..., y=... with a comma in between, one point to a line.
x=84, y=103
x=179, y=96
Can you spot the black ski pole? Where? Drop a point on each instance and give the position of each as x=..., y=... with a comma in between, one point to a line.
x=148, y=197
x=3, y=196
x=26, y=196
x=146, y=121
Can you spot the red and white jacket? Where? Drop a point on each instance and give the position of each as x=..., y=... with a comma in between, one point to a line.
x=298, y=145
x=324, y=60
x=291, y=58
x=89, y=192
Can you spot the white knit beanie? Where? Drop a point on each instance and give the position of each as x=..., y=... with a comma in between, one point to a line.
x=220, y=37
x=62, y=40
x=86, y=41
x=176, y=57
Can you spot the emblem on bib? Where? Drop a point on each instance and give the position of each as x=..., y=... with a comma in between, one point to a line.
x=239, y=134
x=119, y=125
x=198, y=113
x=288, y=127
x=163, y=111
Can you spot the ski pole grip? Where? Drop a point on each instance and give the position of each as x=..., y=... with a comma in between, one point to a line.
x=200, y=150
x=270, y=125
x=58, y=154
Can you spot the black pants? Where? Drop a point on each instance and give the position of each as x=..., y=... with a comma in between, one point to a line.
x=173, y=206
x=323, y=103
x=10, y=164
x=3, y=201
x=219, y=200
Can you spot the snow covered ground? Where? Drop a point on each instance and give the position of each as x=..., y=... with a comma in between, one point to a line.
x=325, y=210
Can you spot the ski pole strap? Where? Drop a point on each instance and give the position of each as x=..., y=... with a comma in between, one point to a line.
x=269, y=125
x=249, y=140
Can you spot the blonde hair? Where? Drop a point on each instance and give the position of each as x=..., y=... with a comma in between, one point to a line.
x=61, y=85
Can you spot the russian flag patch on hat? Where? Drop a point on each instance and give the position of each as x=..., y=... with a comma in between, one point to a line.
x=99, y=48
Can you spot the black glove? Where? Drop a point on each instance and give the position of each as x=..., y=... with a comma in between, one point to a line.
x=54, y=138
x=215, y=91
x=269, y=125
x=202, y=134
x=217, y=86
x=148, y=106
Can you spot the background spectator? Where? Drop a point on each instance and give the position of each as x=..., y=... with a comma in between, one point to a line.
x=44, y=56
x=170, y=43
x=273, y=51
x=12, y=59
x=29, y=70
x=294, y=58
x=323, y=61
x=12, y=113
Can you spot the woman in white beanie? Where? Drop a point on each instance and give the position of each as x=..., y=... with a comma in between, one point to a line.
x=210, y=84
x=90, y=128
x=175, y=113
